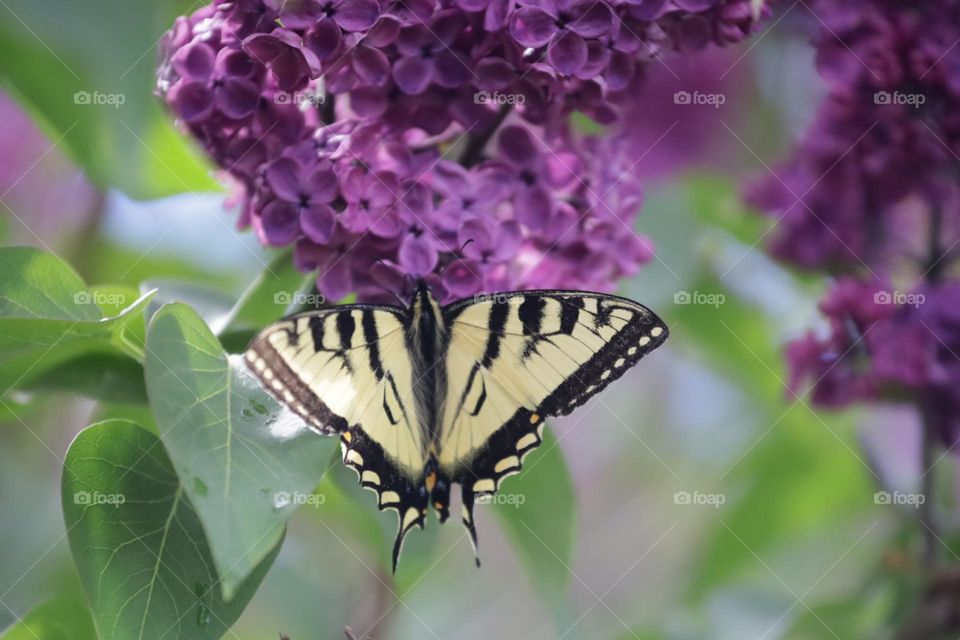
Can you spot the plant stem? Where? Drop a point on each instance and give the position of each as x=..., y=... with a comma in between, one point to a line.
x=328, y=113
x=473, y=152
x=928, y=412
x=928, y=446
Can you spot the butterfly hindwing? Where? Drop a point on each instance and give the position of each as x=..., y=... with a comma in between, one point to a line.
x=347, y=371
x=514, y=359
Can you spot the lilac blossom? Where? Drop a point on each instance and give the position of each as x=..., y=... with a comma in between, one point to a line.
x=564, y=28
x=355, y=133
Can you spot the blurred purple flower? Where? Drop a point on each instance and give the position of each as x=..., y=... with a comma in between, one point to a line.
x=47, y=201
x=871, y=193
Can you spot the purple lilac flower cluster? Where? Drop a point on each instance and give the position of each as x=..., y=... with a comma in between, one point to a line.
x=872, y=196
x=432, y=137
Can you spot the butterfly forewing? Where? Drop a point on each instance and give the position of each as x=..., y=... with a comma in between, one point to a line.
x=348, y=371
x=514, y=359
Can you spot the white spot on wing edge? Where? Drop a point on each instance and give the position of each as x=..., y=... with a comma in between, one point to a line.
x=510, y=462
x=656, y=331
x=409, y=517
x=484, y=485
x=526, y=441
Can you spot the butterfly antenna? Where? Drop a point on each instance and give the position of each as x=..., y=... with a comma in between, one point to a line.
x=457, y=252
x=396, y=297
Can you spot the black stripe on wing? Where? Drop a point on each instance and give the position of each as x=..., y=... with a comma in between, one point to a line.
x=641, y=334
x=375, y=471
x=268, y=365
x=506, y=448
x=502, y=456
x=408, y=497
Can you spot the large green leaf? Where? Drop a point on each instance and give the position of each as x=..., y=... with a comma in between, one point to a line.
x=107, y=377
x=140, y=549
x=537, y=509
x=62, y=618
x=86, y=72
x=241, y=457
x=48, y=316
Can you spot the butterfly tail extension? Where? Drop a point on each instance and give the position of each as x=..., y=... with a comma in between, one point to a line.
x=408, y=519
x=468, y=522
x=393, y=488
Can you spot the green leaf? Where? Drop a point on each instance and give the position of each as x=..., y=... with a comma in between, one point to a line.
x=47, y=317
x=107, y=377
x=39, y=286
x=209, y=301
x=62, y=618
x=87, y=74
x=139, y=547
x=241, y=456
x=276, y=291
x=537, y=510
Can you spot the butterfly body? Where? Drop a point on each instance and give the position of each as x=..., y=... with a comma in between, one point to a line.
x=427, y=396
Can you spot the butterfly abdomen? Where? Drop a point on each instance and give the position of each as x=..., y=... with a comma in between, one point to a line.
x=427, y=342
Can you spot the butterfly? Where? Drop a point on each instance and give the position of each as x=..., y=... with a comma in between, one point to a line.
x=424, y=397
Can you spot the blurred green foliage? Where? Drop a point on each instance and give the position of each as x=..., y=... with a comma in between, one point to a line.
x=798, y=550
